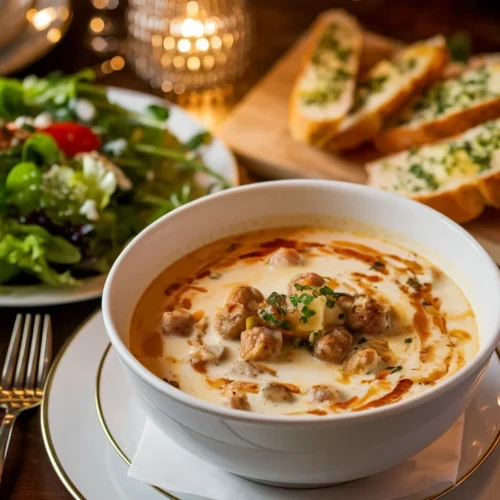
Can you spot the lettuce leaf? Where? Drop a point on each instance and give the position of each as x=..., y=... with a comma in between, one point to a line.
x=32, y=249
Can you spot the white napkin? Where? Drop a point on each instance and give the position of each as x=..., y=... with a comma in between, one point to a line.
x=160, y=462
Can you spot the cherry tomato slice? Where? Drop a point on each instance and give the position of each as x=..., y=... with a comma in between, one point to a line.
x=73, y=138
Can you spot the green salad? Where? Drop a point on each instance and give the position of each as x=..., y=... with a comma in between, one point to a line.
x=80, y=176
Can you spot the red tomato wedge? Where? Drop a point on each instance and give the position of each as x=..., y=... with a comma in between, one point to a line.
x=73, y=138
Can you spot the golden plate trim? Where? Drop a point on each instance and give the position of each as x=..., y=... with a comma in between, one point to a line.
x=47, y=439
x=124, y=457
x=105, y=428
x=73, y=490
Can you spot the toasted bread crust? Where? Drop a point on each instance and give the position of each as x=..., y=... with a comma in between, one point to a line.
x=304, y=128
x=464, y=202
x=399, y=138
x=369, y=126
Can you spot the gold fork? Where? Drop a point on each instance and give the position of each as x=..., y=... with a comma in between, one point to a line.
x=24, y=372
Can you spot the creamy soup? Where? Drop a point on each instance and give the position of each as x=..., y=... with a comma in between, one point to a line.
x=303, y=321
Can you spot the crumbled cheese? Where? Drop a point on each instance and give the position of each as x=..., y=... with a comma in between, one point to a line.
x=94, y=161
x=84, y=109
x=116, y=147
x=23, y=120
x=43, y=120
x=89, y=210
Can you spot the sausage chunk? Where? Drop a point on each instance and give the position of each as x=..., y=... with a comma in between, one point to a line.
x=260, y=344
x=277, y=393
x=367, y=315
x=383, y=350
x=334, y=346
x=237, y=400
x=247, y=296
x=362, y=362
x=230, y=321
x=286, y=257
x=304, y=279
x=177, y=322
x=323, y=394
x=243, y=369
x=205, y=355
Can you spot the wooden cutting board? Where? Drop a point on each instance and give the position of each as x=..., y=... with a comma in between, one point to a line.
x=257, y=131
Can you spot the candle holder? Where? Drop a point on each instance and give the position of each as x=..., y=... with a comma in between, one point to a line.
x=182, y=45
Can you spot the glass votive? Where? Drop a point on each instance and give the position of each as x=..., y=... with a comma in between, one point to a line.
x=180, y=45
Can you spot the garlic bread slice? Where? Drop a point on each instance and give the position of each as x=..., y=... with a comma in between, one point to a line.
x=447, y=108
x=458, y=177
x=386, y=88
x=324, y=90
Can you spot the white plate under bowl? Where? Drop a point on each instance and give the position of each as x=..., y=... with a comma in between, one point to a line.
x=92, y=469
x=216, y=156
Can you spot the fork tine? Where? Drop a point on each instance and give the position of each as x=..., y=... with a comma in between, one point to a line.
x=12, y=353
x=34, y=355
x=22, y=360
x=45, y=352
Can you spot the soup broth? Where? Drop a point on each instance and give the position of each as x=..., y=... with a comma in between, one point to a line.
x=301, y=321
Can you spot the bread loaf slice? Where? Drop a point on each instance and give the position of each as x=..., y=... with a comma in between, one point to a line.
x=324, y=90
x=386, y=88
x=458, y=176
x=447, y=108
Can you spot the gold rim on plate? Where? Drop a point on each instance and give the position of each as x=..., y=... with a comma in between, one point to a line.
x=44, y=420
x=122, y=454
x=70, y=486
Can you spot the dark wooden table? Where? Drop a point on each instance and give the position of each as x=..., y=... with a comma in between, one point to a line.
x=278, y=23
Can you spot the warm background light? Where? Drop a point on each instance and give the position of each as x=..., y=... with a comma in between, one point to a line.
x=180, y=45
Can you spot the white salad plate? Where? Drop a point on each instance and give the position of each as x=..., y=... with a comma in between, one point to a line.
x=216, y=156
x=91, y=452
x=46, y=23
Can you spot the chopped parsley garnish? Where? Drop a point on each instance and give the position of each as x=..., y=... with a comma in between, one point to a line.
x=427, y=177
x=330, y=295
x=330, y=75
x=300, y=287
x=304, y=298
x=328, y=292
x=269, y=318
x=404, y=65
x=215, y=276
x=329, y=43
x=306, y=314
x=278, y=300
x=414, y=283
x=396, y=369
x=375, y=84
x=408, y=340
